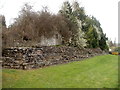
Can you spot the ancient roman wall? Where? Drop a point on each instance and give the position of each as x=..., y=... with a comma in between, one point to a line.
x=29, y=58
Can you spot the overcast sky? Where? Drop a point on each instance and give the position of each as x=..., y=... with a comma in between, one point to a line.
x=106, y=11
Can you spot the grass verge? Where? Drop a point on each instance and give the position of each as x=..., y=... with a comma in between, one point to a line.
x=96, y=72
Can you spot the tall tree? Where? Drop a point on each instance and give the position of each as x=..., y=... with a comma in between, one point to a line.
x=78, y=11
x=102, y=42
x=2, y=20
x=92, y=37
x=77, y=38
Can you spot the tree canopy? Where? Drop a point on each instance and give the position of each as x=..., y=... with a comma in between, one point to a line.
x=76, y=28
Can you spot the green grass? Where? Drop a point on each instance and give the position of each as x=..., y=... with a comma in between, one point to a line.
x=96, y=72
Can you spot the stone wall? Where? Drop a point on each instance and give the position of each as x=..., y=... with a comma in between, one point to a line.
x=29, y=58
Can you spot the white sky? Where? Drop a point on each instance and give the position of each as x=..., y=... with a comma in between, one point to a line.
x=106, y=11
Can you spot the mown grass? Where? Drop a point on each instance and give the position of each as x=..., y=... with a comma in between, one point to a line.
x=96, y=72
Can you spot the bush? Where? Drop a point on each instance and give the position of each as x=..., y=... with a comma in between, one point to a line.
x=30, y=26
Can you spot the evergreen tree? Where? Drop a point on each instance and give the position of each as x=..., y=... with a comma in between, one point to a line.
x=94, y=33
x=2, y=21
x=102, y=42
x=92, y=37
x=78, y=11
x=77, y=38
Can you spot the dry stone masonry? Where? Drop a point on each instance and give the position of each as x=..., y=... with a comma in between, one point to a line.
x=29, y=58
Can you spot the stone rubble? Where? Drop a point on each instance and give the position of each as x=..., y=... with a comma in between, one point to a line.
x=29, y=58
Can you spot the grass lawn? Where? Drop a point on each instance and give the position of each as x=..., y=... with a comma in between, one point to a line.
x=96, y=72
